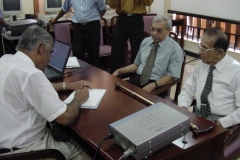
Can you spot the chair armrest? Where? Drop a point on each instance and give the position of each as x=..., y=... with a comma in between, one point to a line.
x=165, y=87
x=232, y=134
x=125, y=75
x=40, y=154
x=146, y=34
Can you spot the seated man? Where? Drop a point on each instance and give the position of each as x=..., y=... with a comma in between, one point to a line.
x=215, y=81
x=29, y=100
x=166, y=56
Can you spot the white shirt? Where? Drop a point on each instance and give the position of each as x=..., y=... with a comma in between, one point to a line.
x=224, y=98
x=27, y=101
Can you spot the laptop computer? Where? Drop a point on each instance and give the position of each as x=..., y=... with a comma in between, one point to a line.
x=59, y=57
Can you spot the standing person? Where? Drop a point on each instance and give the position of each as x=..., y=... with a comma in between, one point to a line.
x=86, y=27
x=1, y=27
x=28, y=100
x=214, y=82
x=130, y=26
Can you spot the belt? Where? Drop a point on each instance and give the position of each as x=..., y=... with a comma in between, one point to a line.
x=6, y=150
x=130, y=14
x=85, y=23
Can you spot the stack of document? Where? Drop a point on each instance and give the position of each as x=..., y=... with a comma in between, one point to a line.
x=72, y=62
x=95, y=97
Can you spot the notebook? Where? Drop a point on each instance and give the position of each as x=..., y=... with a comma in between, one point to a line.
x=59, y=57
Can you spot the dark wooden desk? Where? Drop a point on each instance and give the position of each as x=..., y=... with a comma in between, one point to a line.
x=92, y=125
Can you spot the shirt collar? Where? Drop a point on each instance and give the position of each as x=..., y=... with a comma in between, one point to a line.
x=161, y=44
x=25, y=58
x=219, y=66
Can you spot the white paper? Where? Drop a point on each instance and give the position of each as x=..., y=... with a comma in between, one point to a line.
x=95, y=97
x=72, y=62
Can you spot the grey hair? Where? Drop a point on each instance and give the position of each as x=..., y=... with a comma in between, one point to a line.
x=162, y=18
x=33, y=37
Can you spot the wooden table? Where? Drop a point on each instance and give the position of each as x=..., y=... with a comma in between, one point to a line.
x=92, y=125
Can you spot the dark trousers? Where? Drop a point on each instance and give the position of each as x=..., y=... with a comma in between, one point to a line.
x=127, y=27
x=1, y=47
x=86, y=39
x=135, y=79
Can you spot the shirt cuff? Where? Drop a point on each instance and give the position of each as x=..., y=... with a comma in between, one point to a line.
x=226, y=122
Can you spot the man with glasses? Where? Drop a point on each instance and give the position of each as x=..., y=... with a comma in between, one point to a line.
x=167, y=62
x=215, y=82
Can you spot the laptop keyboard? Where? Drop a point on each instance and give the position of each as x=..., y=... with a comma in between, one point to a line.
x=50, y=73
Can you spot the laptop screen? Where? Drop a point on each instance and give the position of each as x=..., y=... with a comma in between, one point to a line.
x=59, y=55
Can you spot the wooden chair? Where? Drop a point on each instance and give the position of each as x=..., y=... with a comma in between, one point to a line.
x=35, y=155
x=231, y=144
x=147, y=18
x=105, y=49
x=231, y=147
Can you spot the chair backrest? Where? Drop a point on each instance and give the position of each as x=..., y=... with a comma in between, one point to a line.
x=103, y=30
x=147, y=18
x=113, y=22
x=62, y=31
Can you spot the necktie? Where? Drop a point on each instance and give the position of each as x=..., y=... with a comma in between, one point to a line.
x=205, y=107
x=147, y=70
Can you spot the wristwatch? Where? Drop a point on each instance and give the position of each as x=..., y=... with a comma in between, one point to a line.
x=156, y=84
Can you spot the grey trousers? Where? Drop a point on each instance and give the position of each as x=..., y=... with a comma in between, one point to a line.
x=71, y=150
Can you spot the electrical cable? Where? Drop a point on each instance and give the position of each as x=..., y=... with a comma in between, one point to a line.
x=110, y=136
x=127, y=153
x=79, y=70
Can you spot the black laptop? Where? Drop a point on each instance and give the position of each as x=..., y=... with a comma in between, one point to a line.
x=59, y=58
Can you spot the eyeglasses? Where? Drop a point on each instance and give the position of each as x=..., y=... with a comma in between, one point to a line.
x=157, y=30
x=204, y=49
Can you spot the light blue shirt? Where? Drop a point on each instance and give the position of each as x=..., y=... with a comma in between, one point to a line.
x=168, y=60
x=1, y=25
x=1, y=14
x=84, y=10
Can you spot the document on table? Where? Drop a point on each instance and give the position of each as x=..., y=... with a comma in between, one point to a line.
x=72, y=62
x=95, y=97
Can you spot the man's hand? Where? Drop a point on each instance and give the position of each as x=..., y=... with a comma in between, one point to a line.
x=52, y=21
x=116, y=73
x=82, y=95
x=80, y=85
x=150, y=87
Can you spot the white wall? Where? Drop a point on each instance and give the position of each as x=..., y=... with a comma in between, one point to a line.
x=225, y=9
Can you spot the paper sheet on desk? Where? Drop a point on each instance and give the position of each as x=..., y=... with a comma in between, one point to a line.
x=95, y=97
x=72, y=62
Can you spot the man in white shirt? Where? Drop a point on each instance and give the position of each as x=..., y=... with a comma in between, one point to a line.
x=224, y=97
x=28, y=100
